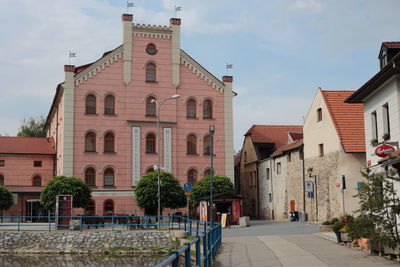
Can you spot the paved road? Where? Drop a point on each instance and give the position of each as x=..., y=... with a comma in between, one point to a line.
x=288, y=244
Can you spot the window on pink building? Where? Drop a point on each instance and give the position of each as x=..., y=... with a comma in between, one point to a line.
x=90, y=104
x=207, y=145
x=90, y=177
x=151, y=169
x=90, y=142
x=192, y=176
x=1, y=180
x=37, y=181
x=191, y=144
x=208, y=172
x=108, y=207
x=109, y=105
x=207, y=109
x=151, y=72
x=151, y=106
x=90, y=209
x=109, y=177
x=109, y=142
x=151, y=143
x=191, y=108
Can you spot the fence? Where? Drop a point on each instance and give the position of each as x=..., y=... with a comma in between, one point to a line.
x=210, y=238
x=207, y=239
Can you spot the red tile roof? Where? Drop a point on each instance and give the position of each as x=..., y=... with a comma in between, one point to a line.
x=287, y=147
x=26, y=145
x=391, y=44
x=277, y=134
x=348, y=120
x=296, y=136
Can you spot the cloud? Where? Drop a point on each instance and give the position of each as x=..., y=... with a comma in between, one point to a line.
x=308, y=5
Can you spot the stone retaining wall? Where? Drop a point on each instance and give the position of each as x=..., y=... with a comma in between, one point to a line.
x=125, y=242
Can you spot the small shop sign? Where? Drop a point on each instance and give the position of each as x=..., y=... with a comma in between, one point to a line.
x=384, y=150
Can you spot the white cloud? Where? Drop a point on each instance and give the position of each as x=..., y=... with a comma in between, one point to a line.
x=308, y=5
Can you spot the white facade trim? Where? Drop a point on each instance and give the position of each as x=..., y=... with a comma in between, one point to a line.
x=135, y=155
x=168, y=149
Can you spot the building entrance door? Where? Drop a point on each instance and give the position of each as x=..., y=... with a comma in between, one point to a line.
x=35, y=212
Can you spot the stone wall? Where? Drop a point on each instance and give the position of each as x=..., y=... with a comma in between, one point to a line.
x=119, y=242
x=325, y=168
x=295, y=180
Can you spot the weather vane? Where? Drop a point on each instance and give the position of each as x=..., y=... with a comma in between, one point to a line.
x=177, y=9
x=128, y=5
x=228, y=66
x=71, y=54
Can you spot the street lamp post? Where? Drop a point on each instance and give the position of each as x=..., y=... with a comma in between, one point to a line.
x=159, y=104
x=211, y=129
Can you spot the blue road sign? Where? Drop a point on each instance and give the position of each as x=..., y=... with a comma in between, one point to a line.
x=187, y=187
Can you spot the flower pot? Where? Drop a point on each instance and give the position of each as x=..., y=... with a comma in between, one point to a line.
x=338, y=237
x=344, y=237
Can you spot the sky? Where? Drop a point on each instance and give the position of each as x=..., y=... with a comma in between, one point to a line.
x=281, y=50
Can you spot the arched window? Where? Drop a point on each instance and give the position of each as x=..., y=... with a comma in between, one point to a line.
x=90, y=209
x=150, y=72
x=37, y=181
x=1, y=180
x=109, y=177
x=208, y=172
x=90, y=142
x=90, y=104
x=109, y=105
x=207, y=145
x=150, y=143
x=191, y=143
x=109, y=142
x=151, y=169
x=151, y=106
x=191, y=108
x=207, y=109
x=192, y=176
x=108, y=207
x=90, y=176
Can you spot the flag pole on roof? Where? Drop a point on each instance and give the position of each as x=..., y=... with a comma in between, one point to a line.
x=71, y=55
x=177, y=9
x=228, y=66
x=128, y=5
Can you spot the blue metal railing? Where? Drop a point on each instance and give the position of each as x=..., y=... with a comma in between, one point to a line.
x=207, y=240
x=211, y=239
x=109, y=223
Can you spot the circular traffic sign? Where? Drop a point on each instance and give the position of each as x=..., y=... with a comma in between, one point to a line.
x=187, y=187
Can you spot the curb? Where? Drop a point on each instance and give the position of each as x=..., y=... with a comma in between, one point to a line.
x=326, y=237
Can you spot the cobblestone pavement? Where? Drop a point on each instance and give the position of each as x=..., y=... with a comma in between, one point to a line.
x=288, y=244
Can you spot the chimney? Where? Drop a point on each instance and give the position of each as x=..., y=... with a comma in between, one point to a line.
x=176, y=49
x=127, y=42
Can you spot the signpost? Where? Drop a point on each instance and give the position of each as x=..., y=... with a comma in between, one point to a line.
x=187, y=187
x=384, y=150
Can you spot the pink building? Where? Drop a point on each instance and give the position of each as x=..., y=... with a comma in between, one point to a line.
x=103, y=117
x=26, y=164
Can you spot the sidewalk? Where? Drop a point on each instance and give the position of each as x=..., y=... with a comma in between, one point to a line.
x=292, y=250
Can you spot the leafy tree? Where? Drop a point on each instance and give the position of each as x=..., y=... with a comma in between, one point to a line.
x=221, y=184
x=62, y=185
x=172, y=194
x=32, y=127
x=6, y=199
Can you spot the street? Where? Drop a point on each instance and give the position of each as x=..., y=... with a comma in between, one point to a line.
x=267, y=243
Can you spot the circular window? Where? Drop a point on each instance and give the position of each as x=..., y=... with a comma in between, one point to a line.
x=151, y=49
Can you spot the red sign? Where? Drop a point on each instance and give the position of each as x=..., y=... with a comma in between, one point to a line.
x=369, y=163
x=338, y=184
x=384, y=150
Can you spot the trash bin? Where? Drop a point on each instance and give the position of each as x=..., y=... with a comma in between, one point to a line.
x=302, y=216
x=294, y=216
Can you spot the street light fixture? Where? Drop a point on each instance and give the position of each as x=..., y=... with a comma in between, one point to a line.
x=159, y=104
x=211, y=129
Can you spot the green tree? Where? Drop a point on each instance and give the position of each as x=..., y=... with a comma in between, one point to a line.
x=32, y=127
x=6, y=199
x=62, y=185
x=221, y=184
x=172, y=194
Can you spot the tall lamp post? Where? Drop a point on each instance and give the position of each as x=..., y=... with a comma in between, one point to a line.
x=159, y=104
x=211, y=129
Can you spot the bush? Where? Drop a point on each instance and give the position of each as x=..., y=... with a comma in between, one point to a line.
x=6, y=198
x=62, y=185
x=172, y=194
x=221, y=184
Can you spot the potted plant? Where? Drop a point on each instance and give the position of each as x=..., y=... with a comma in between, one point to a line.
x=386, y=136
x=336, y=229
x=374, y=142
